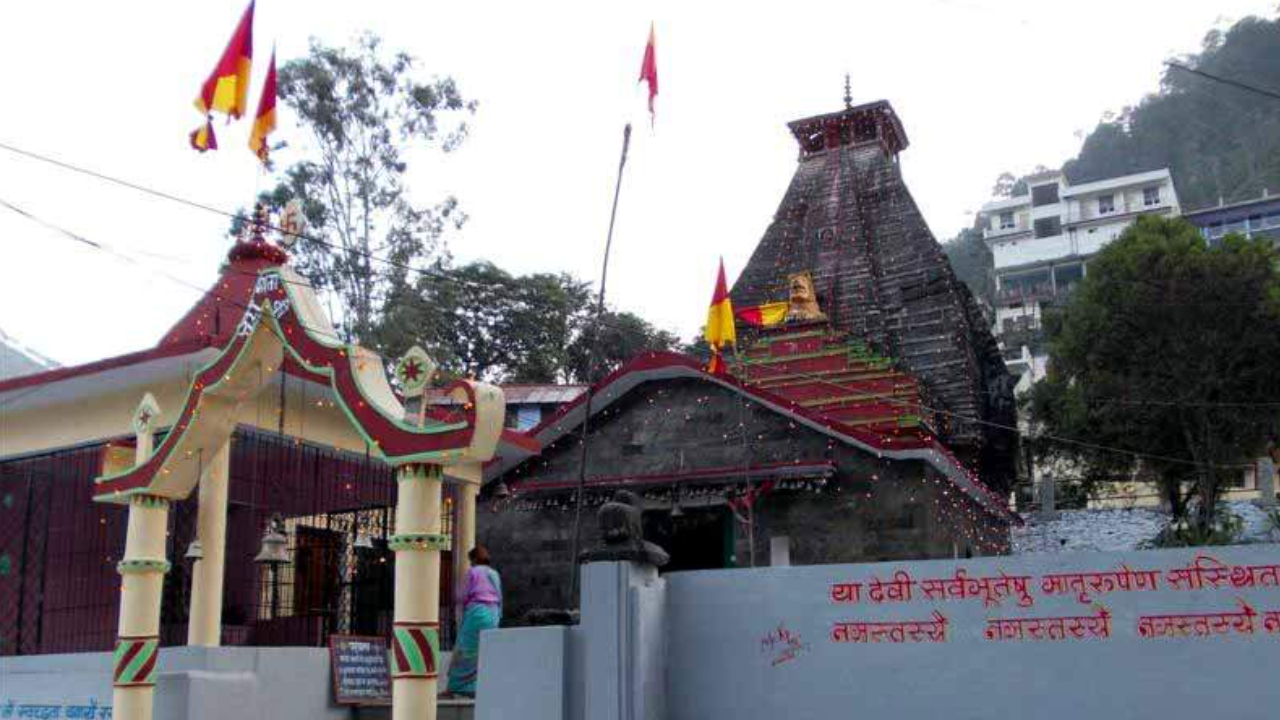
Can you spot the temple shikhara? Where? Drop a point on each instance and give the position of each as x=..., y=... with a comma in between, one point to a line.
x=871, y=423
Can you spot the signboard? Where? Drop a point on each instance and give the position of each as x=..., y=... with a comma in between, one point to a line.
x=360, y=672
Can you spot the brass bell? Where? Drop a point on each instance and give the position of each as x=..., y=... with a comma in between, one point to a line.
x=195, y=551
x=275, y=546
x=363, y=542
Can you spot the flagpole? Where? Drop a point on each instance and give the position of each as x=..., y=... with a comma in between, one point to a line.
x=592, y=359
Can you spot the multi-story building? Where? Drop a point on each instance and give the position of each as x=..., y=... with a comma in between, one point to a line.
x=1041, y=242
x=1255, y=218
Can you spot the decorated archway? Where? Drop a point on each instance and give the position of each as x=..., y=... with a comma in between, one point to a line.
x=281, y=322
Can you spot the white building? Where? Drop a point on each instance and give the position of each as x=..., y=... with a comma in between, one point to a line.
x=1042, y=241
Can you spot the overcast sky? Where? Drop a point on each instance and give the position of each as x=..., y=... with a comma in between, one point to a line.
x=982, y=86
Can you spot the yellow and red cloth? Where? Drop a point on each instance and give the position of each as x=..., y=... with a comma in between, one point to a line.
x=764, y=315
x=264, y=122
x=720, y=329
x=227, y=87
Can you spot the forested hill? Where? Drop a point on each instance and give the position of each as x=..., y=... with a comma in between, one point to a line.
x=1219, y=141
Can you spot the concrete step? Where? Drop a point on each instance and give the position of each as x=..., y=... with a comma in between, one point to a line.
x=446, y=709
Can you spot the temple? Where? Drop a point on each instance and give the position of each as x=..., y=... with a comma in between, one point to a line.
x=864, y=426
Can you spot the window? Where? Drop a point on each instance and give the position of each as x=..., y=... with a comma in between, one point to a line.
x=1044, y=195
x=1106, y=204
x=1151, y=196
x=1048, y=227
x=1006, y=220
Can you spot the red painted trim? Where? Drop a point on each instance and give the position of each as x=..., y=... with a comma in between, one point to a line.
x=704, y=474
x=393, y=441
x=111, y=363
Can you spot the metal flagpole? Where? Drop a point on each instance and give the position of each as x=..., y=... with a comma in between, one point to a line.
x=592, y=358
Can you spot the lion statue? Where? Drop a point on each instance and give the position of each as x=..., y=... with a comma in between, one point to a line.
x=802, y=301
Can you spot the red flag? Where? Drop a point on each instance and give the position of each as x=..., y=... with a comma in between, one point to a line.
x=649, y=70
x=264, y=122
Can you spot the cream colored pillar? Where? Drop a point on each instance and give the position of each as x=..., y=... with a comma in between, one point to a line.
x=470, y=475
x=205, y=623
x=416, y=633
x=142, y=578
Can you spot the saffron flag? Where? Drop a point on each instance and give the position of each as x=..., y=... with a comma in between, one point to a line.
x=649, y=70
x=720, y=329
x=228, y=85
x=203, y=139
x=264, y=122
x=763, y=315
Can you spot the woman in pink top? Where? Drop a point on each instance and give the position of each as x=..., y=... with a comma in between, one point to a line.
x=481, y=599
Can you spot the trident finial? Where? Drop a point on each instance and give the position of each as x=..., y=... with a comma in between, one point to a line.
x=848, y=93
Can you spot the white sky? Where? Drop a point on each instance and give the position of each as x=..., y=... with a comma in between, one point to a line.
x=982, y=86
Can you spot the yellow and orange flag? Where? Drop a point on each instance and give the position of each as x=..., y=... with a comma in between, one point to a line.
x=649, y=70
x=720, y=330
x=264, y=122
x=227, y=88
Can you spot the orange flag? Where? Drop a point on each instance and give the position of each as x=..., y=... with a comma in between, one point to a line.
x=649, y=70
x=265, y=121
x=226, y=89
x=720, y=330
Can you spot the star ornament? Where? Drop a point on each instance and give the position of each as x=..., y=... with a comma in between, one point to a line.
x=145, y=415
x=414, y=370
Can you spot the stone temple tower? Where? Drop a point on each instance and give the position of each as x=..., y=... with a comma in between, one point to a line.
x=849, y=221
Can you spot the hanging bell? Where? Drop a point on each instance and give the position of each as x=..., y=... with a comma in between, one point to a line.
x=500, y=490
x=275, y=550
x=363, y=542
x=195, y=551
x=676, y=510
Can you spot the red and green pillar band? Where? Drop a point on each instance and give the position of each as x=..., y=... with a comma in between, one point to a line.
x=135, y=661
x=415, y=649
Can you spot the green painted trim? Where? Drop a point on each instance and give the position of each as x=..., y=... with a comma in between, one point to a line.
x=420, y=541
x=148, y=500
x=800, y=356
x=134, y=567
x=767, y=341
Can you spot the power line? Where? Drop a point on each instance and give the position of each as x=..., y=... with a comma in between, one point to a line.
x=1225, y=81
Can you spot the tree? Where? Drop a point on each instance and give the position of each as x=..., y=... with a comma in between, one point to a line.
x=360, y=112
x=1167, y=355
x=1220, y=142
x=1004, y=185
x=622, y=337
x=479, y=320
x=972, y=262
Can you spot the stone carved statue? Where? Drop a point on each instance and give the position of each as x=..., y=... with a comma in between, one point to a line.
x=622, y=533
x=802, y=301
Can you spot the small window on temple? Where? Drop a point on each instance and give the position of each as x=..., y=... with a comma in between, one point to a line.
x=1106, y=204
x=1151, y=196
x=1006, y=220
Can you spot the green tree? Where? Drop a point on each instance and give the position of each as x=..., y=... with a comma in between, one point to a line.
x=622, y=337
x=360, y=111
x=972, y=262
x=1170, y=351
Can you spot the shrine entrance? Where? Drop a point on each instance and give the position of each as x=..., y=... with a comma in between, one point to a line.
x=317, y=573
x=695, y=538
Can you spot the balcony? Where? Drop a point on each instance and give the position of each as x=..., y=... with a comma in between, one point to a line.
x=1025, y=294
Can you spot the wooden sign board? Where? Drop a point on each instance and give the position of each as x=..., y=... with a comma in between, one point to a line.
x=361, y=675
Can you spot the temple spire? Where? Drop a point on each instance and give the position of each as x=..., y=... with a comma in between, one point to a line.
x=848, y=93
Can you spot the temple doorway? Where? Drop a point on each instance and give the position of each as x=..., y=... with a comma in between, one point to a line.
x=696, y=538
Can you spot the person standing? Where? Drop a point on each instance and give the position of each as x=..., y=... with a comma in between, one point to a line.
x=481, y=600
